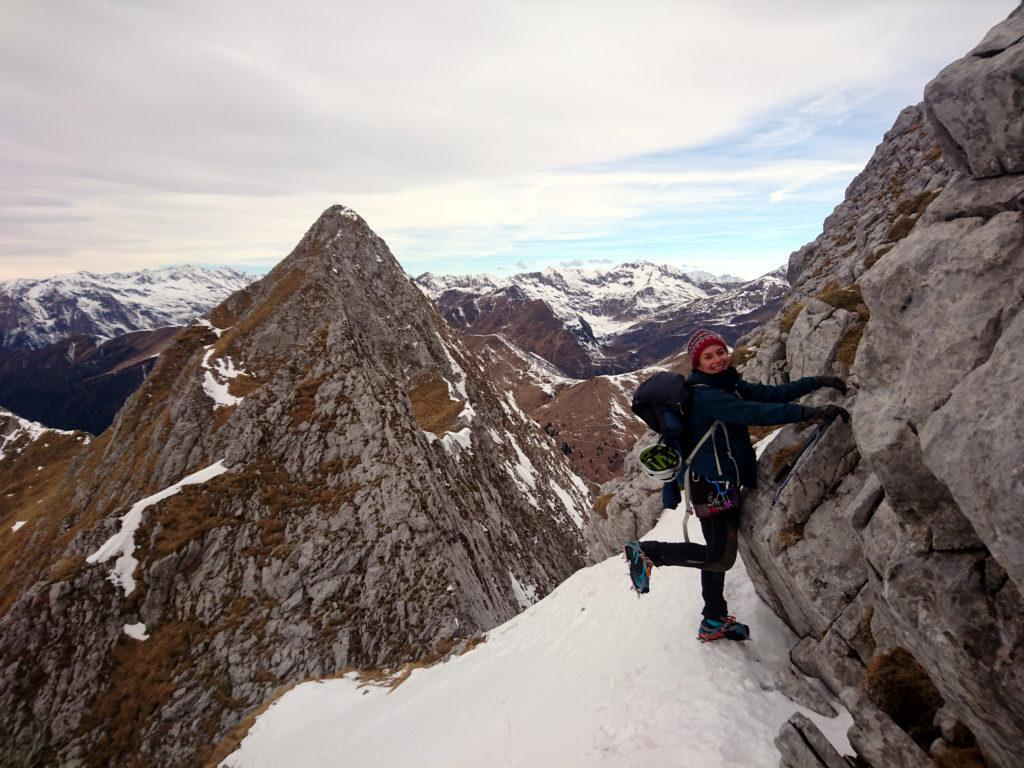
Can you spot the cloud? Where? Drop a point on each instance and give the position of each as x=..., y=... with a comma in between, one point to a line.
x=140, y=132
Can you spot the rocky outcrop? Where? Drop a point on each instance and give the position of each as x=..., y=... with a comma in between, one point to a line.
x=317, y=477
x=803, y=745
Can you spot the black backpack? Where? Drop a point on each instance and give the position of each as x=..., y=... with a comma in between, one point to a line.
x=664, y=390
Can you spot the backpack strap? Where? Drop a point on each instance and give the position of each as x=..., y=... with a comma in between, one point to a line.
x=688, y=505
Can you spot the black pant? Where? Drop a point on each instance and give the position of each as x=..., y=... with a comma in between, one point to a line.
x=714, y=558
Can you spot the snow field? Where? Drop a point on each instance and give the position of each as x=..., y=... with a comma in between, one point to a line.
x=591, y=675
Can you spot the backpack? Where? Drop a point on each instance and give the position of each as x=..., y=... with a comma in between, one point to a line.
x=664, y=391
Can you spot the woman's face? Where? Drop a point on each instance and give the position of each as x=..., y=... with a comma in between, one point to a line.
x=714, y=359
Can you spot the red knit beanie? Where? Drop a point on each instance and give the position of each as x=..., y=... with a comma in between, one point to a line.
x=700, y=341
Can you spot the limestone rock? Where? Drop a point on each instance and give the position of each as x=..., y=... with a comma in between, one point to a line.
x=799, y=689
x=803, y=745
x=877, y=739
x=986, y=409
x=812, y=343
x=974, y=104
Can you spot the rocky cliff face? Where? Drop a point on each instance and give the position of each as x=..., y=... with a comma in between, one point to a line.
x=895, y=552
x=317, y=477
x=589, y=419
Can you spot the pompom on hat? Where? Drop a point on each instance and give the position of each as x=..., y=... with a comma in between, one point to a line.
x=700, y=341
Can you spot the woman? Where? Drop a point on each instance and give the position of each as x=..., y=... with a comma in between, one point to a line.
x=721, y=407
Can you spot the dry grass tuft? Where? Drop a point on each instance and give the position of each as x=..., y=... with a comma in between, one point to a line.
x=432, y=406
x=787, y=537
x=900, y=687
x=915, y=206
x=871, y=259
x=782, y=457
x=305, y=400
x=760, y=433
x=789, y=316
x=601, y=505
x=848, y=297
x=846, y=351
x=900, y=228
x=740, y=355
x=948, y=756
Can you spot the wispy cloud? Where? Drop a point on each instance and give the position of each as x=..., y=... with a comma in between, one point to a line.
x=139, y=133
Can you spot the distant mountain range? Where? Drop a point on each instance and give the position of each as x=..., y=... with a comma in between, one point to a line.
x=74, y=347
x=599, y=322
x=37, y=312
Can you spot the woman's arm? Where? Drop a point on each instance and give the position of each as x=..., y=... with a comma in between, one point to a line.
x=781, y=393
x=735, y=410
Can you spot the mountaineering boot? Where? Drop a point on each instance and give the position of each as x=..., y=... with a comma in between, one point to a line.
x=639, y=567
x=727, y=627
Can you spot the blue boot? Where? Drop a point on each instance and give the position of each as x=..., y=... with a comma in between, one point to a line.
x=639, y=567
x=727, y=627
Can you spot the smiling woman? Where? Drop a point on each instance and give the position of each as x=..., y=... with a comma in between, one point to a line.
x=490, y=132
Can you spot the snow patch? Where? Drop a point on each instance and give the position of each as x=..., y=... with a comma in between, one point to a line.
x=224, y=368
x=19, y=523
x=136, y=631
x=523, y=472
x=525, y=596
x=569, y=504
x=123, y=542
x=202, y=322
x=454, y=442
x=764, y=442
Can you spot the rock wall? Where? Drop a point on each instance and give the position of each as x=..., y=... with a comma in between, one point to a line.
x=904, y=530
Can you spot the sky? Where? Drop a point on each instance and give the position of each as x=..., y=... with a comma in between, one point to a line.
x=473, y=136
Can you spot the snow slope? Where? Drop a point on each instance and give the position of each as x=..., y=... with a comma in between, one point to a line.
x=591, y=675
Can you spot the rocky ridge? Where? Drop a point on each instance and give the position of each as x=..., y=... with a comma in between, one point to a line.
x=317, y=477
x=895, y=552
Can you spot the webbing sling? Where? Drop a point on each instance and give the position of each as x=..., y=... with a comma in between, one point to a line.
x=687, y=501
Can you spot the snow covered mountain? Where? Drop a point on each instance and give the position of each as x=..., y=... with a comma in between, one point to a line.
x=607, y=300
x=37, y=312
x=592, y=322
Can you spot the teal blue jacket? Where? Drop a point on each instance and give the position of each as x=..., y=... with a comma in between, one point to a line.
x=727, y=398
